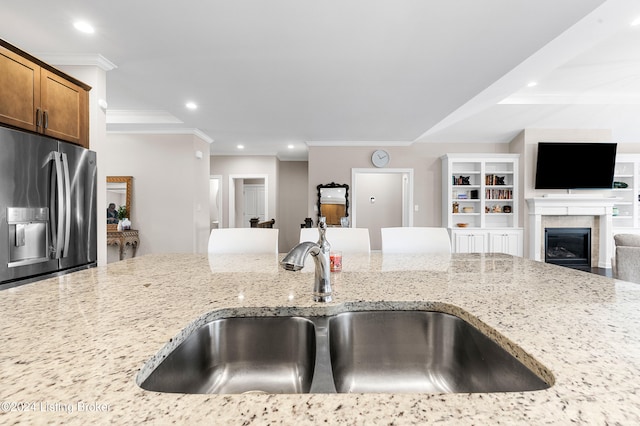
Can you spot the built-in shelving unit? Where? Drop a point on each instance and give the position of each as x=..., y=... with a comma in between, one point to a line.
x=480, y=202
x=627, y=190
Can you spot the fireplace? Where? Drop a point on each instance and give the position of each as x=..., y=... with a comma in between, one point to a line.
x=570, y=247
x=599, y=207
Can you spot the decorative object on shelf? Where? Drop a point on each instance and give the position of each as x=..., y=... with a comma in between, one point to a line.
x=494, y=180
x=308, y=222
x=619, y=185
x=467, y=210
x=496, y=209
x=122, y=212
x=456, y=208
x=380, y=158
x=462, y=225
x=474, y=194
x=463, y=180
x=506, y=209
x=499, y=194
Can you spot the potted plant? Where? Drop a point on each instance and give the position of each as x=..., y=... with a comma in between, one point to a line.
x=123, y=221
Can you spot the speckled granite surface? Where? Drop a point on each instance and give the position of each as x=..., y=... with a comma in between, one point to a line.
x=72, y=346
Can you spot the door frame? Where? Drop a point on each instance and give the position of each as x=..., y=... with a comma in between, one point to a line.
x=407, y=191
x=232, y=194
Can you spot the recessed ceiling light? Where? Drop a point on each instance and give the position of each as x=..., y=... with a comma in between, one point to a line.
x=290, y=146
x=532, y=84
x=84, y=27
x=240, y=146
x=635, y=22
x=191, y=105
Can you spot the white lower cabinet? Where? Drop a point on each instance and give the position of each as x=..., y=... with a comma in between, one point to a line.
x=469, y=241
x=509, y=241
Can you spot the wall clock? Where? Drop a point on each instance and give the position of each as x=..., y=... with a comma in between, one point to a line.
x=380, y=158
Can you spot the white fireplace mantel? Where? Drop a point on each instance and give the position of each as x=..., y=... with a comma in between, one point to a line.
x=572, y=205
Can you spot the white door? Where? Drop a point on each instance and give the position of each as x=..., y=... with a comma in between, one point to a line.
x=253, y=204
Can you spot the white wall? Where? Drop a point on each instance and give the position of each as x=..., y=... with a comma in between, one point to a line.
x=292, y=202
x=170, y=199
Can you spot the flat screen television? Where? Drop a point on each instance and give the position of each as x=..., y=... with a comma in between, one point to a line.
x=575, y=165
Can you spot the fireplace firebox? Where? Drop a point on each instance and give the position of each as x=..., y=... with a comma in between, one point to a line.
x=570, y=247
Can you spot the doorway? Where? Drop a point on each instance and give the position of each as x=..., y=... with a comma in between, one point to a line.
x=382, y=198
x=240, y=206
x=215, y=202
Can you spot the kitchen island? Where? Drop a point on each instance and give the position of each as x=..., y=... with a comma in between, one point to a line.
x=73, y=346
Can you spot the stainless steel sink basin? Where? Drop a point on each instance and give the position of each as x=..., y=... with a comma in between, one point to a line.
x=418, y=351
x=362, y=352
x=240, y=355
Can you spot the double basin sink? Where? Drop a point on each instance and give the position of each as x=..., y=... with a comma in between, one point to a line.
x=361, y=352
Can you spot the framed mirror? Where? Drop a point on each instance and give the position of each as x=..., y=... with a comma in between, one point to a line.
x=333, y=204
x=118, y=194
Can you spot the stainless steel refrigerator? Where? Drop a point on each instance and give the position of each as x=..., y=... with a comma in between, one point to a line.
x=47, y=207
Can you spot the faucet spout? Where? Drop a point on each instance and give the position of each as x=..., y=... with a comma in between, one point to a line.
x=294, y=261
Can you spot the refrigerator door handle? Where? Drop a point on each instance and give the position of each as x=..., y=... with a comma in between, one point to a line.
x=67, y=205
x=59, y=211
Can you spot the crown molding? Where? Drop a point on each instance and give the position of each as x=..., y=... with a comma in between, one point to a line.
x=359, y=143
x=150, y=131
x=85, y=59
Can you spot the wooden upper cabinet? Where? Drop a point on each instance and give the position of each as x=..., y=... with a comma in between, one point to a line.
x=64, y=109
x=19, y=90
x=36, y=97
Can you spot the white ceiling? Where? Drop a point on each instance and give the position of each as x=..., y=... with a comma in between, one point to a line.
x=269, y=73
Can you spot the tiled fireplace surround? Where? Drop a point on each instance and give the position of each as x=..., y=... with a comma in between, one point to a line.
x=571, y=211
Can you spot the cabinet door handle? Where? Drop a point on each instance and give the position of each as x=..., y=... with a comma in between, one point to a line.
x=38, y=117
x=46, y=119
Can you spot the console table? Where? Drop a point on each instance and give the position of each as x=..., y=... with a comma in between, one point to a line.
x=123, y=239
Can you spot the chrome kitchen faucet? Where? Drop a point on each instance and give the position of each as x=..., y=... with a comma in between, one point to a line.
x=294, y=261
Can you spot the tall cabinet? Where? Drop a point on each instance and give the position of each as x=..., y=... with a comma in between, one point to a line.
x=480, y=203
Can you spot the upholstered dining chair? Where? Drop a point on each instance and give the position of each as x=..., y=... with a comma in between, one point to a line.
x=410, y=239
x=627, y=257
x=347, y=240
x=243, y=240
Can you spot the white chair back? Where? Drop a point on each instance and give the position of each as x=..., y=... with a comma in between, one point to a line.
x=415, y=240
x=244, y=240
x=347, y=240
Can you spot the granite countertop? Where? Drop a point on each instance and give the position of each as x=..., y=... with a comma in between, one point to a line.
x=73, y=346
